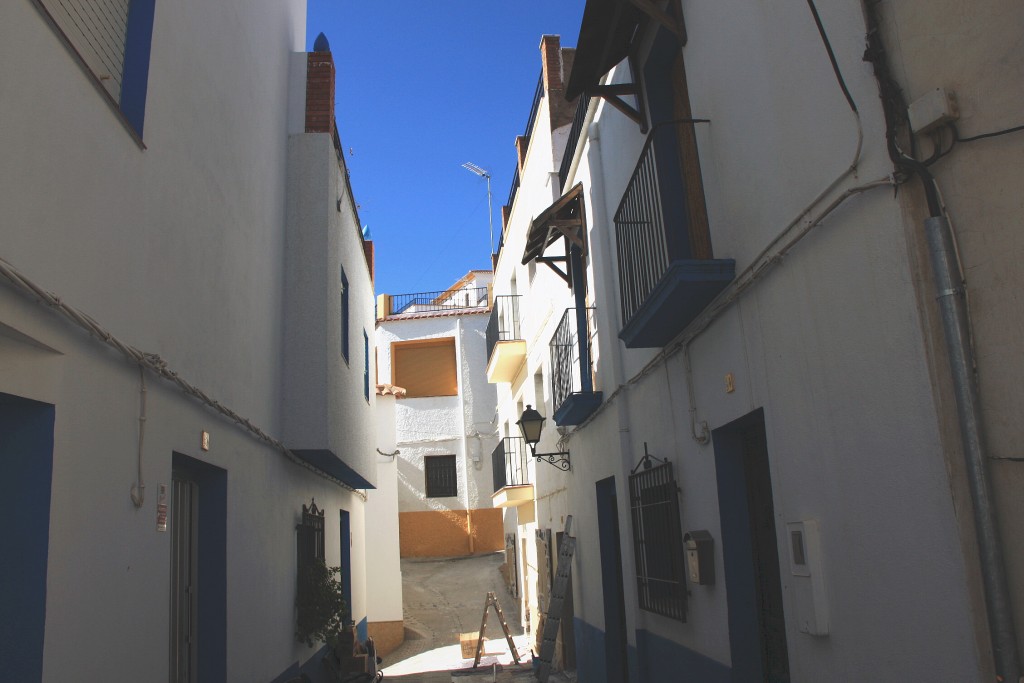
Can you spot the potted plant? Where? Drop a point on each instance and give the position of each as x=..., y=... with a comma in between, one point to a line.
x=321, y=606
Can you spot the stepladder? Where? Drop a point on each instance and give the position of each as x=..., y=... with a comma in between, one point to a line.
x=556, y=603
x=492, y=601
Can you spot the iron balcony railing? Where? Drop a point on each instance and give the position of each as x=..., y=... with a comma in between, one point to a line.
x=424, y=302
x=653, y=222
x=508, y=463
x=538, y=95
x=571, y=365
x=574, y=138
x=504, y=322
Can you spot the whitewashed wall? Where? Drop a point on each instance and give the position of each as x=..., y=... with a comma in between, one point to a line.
x=178, y=249
x=829, y=344
x=441, y=425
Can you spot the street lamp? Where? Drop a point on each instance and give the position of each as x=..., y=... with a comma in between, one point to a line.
x=473, y=168
x=530, y=424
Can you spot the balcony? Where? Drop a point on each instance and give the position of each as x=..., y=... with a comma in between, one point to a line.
x=432, y=302
x=667, y=275
x=572, y=381
x=506, y=349
x=512, y=485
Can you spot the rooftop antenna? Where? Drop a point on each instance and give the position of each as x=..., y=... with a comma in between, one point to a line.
x=473, y=168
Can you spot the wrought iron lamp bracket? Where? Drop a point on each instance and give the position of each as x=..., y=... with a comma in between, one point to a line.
x=559, y=460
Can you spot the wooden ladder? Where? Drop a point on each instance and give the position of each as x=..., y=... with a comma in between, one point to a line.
x=493, y=600
x=556, y=603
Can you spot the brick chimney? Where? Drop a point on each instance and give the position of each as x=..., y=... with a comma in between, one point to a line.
x=556, y=64
x=320, y=88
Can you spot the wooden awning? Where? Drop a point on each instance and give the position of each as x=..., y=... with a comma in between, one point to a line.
x=607, y=34
x=563, y=219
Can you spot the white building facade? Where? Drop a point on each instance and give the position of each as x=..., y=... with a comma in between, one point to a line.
x=721, y=312
x=181, y=260
x=431, y=346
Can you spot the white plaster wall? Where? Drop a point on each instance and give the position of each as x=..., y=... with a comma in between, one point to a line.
x=828, y=344
x=180, y=244
x=384, y=576
x=975, y=53
x=325, y=401
x=461, y=425
x=178, y=249
x=97, y=538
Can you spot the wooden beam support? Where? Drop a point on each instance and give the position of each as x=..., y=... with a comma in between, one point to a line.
x=609, y=95
x=614, y=89
x=659, y=15
x=550, y=263
x=570, y=230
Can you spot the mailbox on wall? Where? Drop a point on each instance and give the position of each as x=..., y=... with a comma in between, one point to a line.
x=700, y=557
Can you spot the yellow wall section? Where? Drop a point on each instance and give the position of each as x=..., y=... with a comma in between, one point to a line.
x=387, y=635
x=445, y=533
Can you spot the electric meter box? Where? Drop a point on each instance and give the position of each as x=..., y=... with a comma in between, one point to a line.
x=700, y=557
x=804, y=544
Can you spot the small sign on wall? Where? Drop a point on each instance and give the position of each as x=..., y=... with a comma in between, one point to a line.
x=161, y=508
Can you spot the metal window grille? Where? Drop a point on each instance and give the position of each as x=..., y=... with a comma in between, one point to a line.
x=310, y=535
x=658, y=541
x=442, y=478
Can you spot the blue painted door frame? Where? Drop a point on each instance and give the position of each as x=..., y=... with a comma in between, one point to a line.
x=211, y=563
x=26, y=472
x=757, y=626
x=615, y=651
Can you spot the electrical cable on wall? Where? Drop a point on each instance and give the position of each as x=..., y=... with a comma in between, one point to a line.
x=138, y=492
x=155, y=364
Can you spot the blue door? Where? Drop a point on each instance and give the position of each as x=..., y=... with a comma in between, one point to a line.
x=757, y=625
x=26, y=469
x=611, y=582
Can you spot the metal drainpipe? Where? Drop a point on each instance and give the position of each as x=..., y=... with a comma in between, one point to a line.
x=598, y=190
x=955, y=327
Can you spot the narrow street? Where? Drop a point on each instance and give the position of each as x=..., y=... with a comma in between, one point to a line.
x=445, y=598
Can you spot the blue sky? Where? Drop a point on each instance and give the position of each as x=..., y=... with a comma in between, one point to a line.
x=421, y=88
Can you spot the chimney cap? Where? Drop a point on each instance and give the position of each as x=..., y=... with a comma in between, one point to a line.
x=321, y=44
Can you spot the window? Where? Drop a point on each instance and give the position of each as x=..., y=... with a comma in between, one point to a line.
x=366, y=366
x=112, y=38
x=310, y=536
x=658, y=541
x=344, y=315
x=441, y=477
x=425, y=367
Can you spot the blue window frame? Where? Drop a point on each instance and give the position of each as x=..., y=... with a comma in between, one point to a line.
x=112, y=42
x=344, y=315
x=135, y=79
x=366, y=365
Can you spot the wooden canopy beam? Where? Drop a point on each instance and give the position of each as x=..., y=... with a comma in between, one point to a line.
x=662, y=17
x=610, y=94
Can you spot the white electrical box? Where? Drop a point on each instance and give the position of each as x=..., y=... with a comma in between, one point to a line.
x=804, y=544
x=933, y=109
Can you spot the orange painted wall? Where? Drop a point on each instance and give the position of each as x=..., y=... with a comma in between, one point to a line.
x=445, y=533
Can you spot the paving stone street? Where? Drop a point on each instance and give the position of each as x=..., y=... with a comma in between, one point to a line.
x=445, y=598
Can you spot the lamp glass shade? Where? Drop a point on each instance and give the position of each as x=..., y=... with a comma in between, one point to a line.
x=530, y=424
